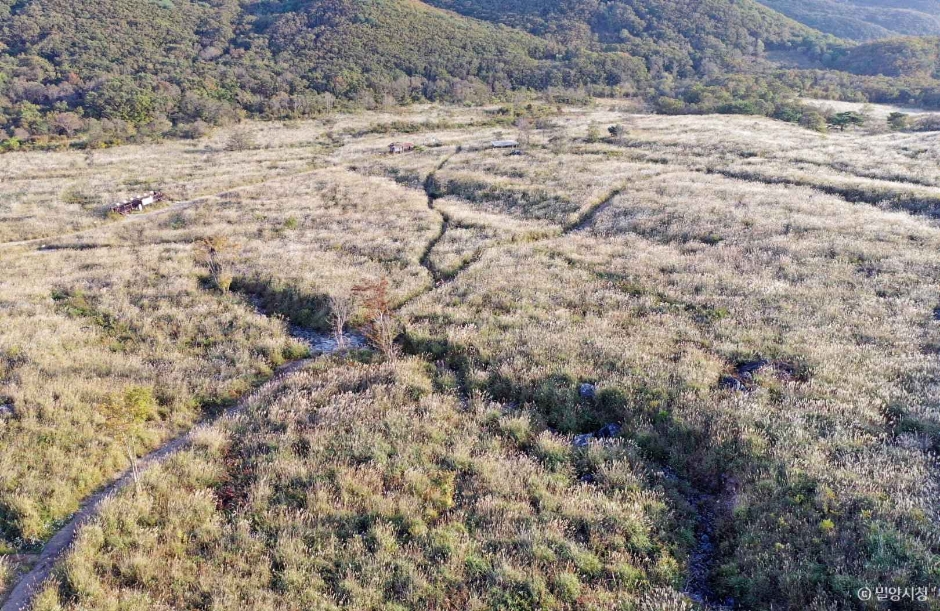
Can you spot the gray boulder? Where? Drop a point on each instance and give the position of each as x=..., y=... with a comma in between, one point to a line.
x=581, y=441
x=587, y=391
x=731, y=383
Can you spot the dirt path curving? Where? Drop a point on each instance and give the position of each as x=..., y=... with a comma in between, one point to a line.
x=30, y=583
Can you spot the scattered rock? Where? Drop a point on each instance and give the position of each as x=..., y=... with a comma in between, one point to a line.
x=749, y=368
x=936, y=313
x=729, y=382
x=581, y=441
x=789, y=371
x=605, y=432
x=587, y=391
x=742, y=379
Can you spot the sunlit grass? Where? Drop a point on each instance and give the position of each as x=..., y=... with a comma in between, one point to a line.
x=649, y=267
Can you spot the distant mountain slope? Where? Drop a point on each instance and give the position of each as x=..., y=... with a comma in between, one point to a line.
x=350, y=46
x=88, y=36
x=315, y=44
x=896, y=57
x=134, y=68
x=141, y=61
x=678, y=36
x=864, y=19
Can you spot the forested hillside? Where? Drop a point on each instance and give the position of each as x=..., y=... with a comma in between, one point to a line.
x=864, y=19
x=118, y=70
x=138, y=61
x=682, y=37
x=136, y=67
x=912, y=57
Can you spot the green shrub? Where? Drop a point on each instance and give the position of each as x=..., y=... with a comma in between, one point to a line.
x=477, y=567
x=140, y=404
x=517, y=428
x=553, y=451
x=586, y=562
x=567, y=587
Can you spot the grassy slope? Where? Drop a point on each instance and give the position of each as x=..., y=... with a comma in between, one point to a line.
x=148, y=370
x=821, y=475
x=363, y=487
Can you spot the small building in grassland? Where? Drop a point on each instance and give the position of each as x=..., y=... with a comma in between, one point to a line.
x=400, y=147
x=505, y=144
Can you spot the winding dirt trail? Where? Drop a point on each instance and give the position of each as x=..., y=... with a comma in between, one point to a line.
x=30, y=583
x=27, y=585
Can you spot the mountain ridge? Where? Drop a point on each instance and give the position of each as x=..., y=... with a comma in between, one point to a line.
x=129, y=68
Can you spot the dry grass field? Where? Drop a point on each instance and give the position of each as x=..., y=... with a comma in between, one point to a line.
x=692, y=364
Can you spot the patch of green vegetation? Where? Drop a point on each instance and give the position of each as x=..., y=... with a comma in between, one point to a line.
x=77, y=303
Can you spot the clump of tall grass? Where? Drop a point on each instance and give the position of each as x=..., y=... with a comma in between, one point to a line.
x=6, y=573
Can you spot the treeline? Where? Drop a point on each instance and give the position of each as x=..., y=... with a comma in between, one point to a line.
x=777, y=94
x=864, y=19
x=104, y=72
x=137, y=69
x=702, y=99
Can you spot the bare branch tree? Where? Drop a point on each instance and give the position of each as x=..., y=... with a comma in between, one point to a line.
x=524, y=125
x=240, y=140
x=213, y=253
x=342, y=308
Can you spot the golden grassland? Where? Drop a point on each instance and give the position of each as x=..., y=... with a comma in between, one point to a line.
x=754, y=303
x=44, y=194
x=112, y=343
x=362, y=486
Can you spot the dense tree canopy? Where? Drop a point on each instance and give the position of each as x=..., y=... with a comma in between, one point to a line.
x=864, y=19
x=119, y=69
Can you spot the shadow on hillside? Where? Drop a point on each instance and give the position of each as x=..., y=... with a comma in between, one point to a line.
x=310, y=311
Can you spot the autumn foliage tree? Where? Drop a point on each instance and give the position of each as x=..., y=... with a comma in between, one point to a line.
x=381, y=323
